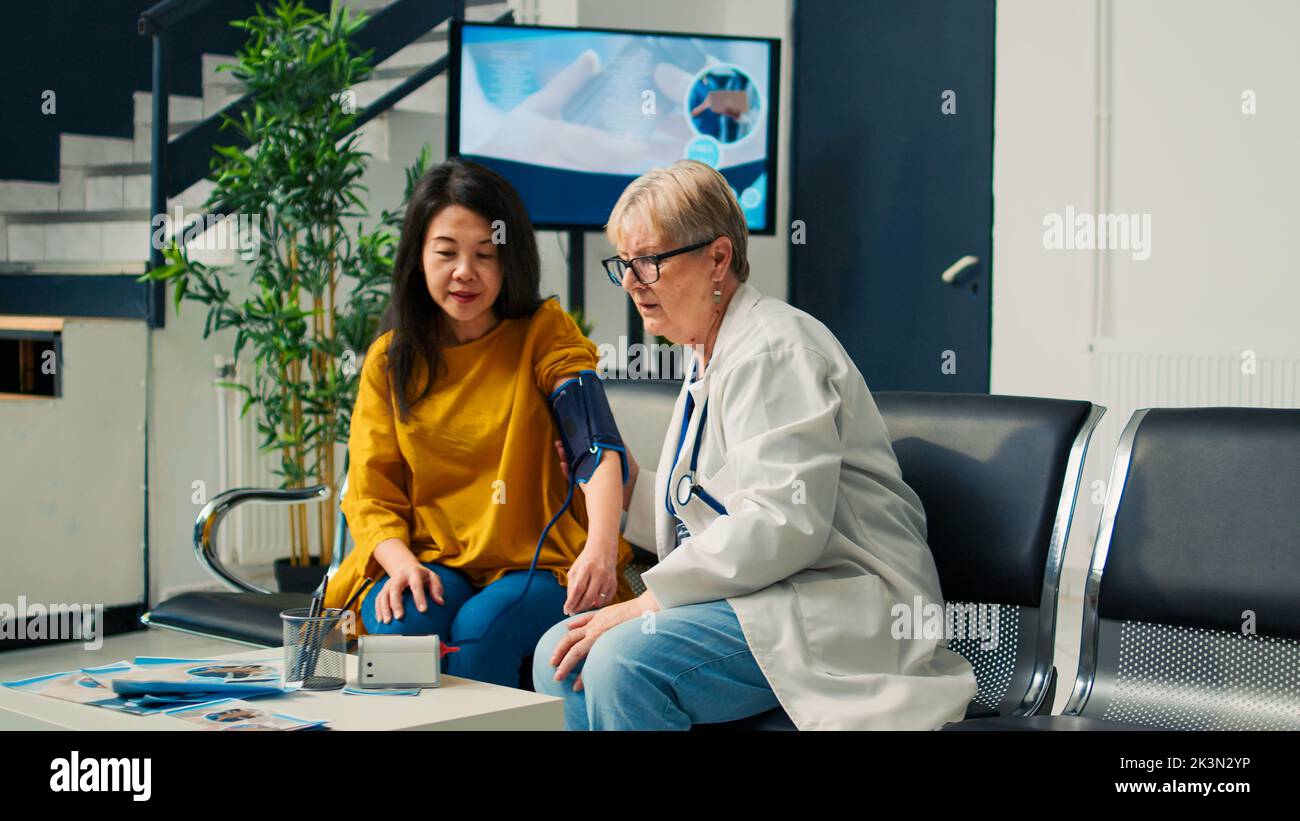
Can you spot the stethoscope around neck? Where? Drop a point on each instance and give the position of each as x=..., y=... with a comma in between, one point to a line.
x=686, y=487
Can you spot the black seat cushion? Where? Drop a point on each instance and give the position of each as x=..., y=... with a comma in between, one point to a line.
x=1209, y=522
x=989, y=471
x=247, y=617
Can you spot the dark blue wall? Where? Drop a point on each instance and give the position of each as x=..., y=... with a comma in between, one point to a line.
x=89, y=54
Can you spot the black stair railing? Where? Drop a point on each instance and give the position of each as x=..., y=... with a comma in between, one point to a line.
x=177, y=164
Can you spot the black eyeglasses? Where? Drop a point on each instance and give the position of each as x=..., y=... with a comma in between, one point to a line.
x=645, y=269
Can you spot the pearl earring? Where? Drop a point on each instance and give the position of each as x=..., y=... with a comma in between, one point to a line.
x=717, y=295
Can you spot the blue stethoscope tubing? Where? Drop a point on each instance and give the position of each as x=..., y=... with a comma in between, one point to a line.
x=687, y=486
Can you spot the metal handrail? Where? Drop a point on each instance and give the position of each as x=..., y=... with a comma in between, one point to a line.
x=162, y=16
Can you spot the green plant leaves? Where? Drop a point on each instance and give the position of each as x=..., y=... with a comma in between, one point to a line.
x=315, y=290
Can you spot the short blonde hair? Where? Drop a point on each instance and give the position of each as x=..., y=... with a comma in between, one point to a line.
x=685, y=203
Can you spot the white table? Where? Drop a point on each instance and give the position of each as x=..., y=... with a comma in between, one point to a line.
x=457, y=704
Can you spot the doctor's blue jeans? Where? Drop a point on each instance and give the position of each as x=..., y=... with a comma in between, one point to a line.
x=468, y=612
x=681, y=666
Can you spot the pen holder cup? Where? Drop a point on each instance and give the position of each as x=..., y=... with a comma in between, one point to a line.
x=314, y=649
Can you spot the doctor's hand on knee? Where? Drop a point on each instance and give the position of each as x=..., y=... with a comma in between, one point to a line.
x=583, y=633
x=414, y=577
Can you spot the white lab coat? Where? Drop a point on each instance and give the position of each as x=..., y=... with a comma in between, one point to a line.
x=821, y=538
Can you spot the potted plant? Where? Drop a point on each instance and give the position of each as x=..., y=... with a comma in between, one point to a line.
x=315, y=290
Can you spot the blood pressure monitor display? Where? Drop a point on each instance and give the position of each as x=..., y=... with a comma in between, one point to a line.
x=571, y=116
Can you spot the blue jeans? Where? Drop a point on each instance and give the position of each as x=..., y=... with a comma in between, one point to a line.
x=466, y=614
x=665, y=671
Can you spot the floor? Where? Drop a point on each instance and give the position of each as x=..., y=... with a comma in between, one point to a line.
x=18, y=664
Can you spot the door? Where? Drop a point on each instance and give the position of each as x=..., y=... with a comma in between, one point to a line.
x=892, y=180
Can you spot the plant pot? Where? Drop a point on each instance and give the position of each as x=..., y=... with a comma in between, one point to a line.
x=300, y=579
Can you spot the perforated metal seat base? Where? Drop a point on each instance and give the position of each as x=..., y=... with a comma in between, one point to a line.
x=994, y=661
x=1188, y=678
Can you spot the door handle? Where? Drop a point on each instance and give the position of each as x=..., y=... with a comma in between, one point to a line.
x=954, y=271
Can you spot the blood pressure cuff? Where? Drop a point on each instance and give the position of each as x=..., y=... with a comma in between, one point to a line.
x=586, y=425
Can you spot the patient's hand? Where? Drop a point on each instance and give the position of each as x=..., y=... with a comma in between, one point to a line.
x=593, y=579
x=414, y=577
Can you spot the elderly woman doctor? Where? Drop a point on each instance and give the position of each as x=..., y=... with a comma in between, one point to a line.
x=787, y=539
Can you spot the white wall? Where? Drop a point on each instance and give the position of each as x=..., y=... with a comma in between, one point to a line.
x=1042, y=161
x=1219, y=185
x=71, y=475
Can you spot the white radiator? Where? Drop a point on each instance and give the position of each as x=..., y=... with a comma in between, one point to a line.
x=1127, y=377
x=253, y=533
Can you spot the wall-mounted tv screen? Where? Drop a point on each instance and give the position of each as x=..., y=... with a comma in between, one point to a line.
x=571, y=116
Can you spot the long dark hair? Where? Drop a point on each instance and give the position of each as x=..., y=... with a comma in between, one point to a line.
x=417, y=322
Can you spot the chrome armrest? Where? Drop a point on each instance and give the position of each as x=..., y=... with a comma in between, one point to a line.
x=209, y=521
x=1045, y=644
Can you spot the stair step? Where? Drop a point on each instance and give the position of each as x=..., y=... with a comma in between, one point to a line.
x=130, y=191
x=75, y=266
x=124, y=169
x=179, y=107
x=69, y=217
x=219, y=87
x=90, y=150
x=59, y=244
x=77, y=241
x=110, y=187
x=142, y=145
x=395, y=72
x=415, y=56
x=19, y=195
x=434, y=36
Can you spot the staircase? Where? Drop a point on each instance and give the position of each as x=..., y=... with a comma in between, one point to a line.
x=95, y=219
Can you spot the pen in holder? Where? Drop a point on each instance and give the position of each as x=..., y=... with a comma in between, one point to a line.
x=314, y=647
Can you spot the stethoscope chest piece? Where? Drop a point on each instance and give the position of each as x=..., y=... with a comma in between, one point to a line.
x=685, y=487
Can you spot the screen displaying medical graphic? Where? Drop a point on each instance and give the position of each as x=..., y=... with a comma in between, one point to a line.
x=724, y=104
x=571, y=116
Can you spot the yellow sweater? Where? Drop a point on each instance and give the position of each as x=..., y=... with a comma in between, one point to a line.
x=472, y=477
